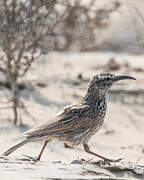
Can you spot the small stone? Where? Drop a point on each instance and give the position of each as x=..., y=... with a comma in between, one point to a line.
x=76, y=162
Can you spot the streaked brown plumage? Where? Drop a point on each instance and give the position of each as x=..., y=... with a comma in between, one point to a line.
x=77, y=123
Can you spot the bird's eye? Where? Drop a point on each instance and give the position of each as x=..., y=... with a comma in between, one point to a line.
x=108, y=79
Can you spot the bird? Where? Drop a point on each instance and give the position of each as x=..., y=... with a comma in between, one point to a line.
x=77, y=123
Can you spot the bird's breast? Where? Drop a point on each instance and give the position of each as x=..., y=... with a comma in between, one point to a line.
x=98, y=115
x=100, y=108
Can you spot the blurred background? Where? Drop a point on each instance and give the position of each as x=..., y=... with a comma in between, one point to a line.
x=50, y=49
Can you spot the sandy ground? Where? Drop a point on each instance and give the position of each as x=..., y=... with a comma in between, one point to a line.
x=121, y=136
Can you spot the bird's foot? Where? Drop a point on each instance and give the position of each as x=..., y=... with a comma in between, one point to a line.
x=105, y=161
x=108, y=161
x=3, y=157
x=29, y=158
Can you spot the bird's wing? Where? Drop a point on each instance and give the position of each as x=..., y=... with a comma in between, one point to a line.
x=67, y=121
x=43, y=128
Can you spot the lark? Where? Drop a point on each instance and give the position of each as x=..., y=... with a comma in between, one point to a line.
x=77, y=123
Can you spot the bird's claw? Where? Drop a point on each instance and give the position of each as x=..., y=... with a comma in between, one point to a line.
x=112, y=160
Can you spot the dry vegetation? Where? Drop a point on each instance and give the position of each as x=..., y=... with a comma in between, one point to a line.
x=31, y=28
x=23, y=28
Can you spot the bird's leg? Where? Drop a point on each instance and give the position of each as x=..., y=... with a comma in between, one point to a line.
x=40, y=154
x=42, y=150
x=86, y=148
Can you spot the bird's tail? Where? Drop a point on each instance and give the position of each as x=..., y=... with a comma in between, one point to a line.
x=9, y=151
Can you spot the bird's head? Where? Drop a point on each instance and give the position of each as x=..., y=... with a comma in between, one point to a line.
x=104, y=81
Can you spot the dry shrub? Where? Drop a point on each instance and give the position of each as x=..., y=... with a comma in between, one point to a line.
x=31, y=28
x=24, y=26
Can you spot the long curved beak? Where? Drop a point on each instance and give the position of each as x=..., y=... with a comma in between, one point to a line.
x=118, y=78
